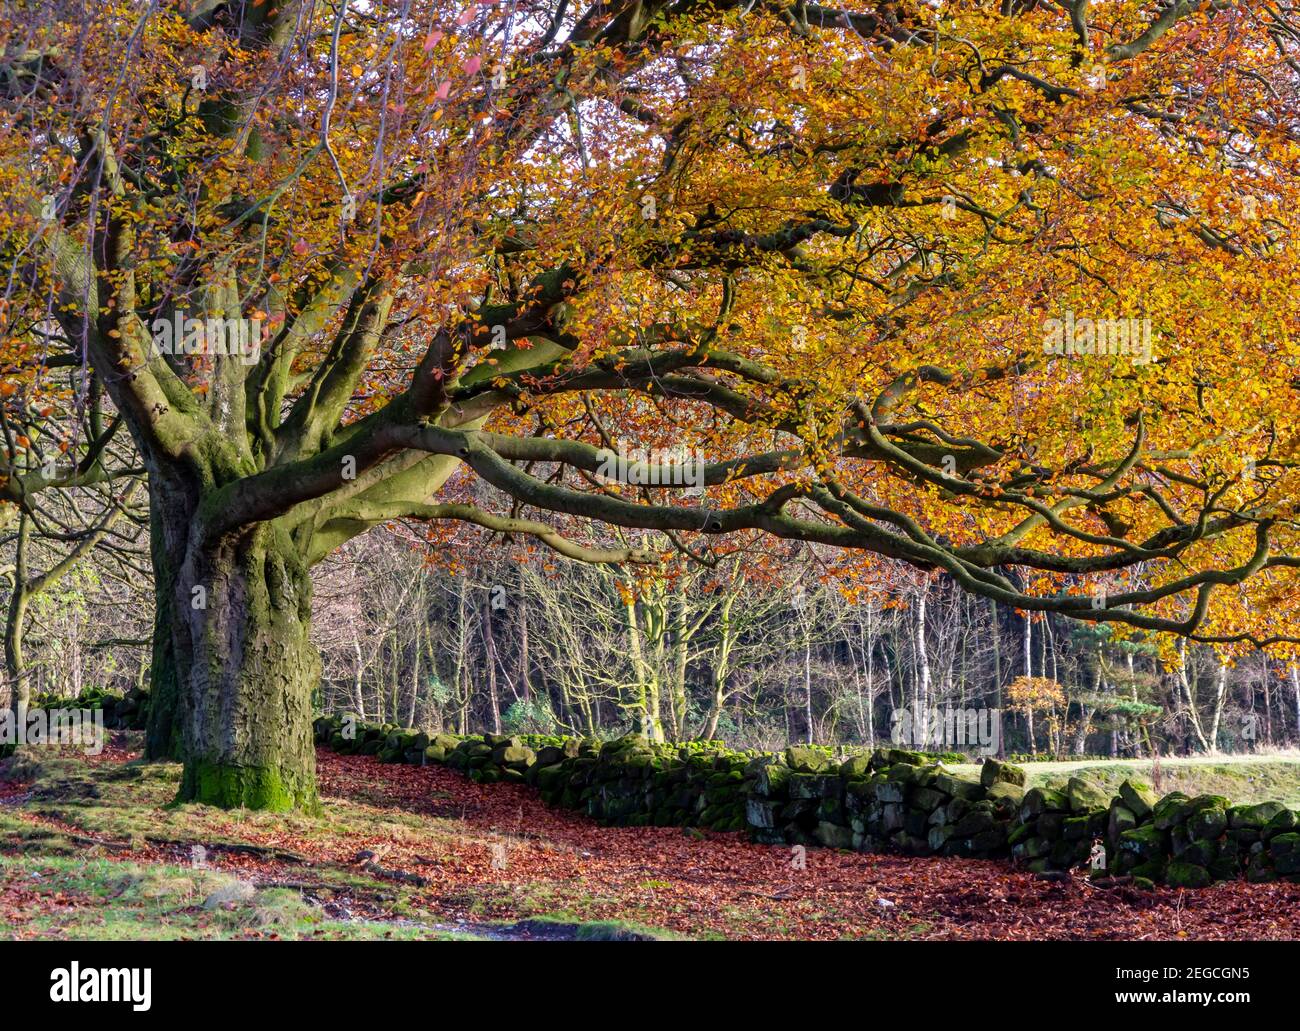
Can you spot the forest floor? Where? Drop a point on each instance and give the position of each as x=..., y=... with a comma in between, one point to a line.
x=91, y=849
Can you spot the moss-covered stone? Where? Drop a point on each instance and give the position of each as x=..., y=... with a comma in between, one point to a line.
x=1285, y=852
x=514, y=755
x=1280, y=824
x=927, y=799
x=1139, y=799
x=996, y=772
x=1051, y=826
x=1075, y=828
x=974, y=822
x=1043, y=800
x=1121, y=819
x=1207, y=824
x=958, y=787
x=890, y=791
x=1186, y=875
x=1254, y=817
x=1084, y=795
x=806, y=759
x=994, y=839
x=1010, y=795
x=813, y=785
x=1031, y=848
x=1171, y=810
x=1151, y=870
x=883, y=757
x=1259, y=870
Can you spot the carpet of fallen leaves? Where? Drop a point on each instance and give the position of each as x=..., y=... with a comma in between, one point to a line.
x=725, y=884
x=496, y=853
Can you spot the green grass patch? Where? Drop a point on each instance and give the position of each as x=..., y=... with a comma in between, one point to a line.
x=1241, y=783
x=76, y=899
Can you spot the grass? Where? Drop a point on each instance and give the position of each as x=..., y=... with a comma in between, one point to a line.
x=71, y=898
x=1243, y=779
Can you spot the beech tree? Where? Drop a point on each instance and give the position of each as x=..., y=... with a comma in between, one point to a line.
x=1003, y=289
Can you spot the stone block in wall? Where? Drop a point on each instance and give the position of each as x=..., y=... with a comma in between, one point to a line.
x=958, y=787
x=859, y=795
x=831, y=810
x=892, y=816
x=815, y=785
x=974, y=822
x=1121, y=819
x=514, y=755
x=914, y=823
x=1171, y=810
x=996, y=772
x=1085, y=796
x=1284, y=850
x=928, y=799
x=890, y=792
x=1253, y=817
x=806, y=759
x=1146, y=841
x=1030, y=848
x=1075, y=828
x=1010, y=795
x=1259, y=869
x=771, y=779
x=763, y=814
x=911, y=844
x=1179, y=874
x=994, y=839
x=1207, y=824
x=882, y=758
x=1138, y=798
x=833, y=835
x=1280, y=824
x=1051, y=826
x=1043, y=800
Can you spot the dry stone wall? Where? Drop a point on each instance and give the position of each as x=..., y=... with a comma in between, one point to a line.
x=886, y=799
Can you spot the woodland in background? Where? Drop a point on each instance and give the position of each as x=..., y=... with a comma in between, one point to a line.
x=523, y=642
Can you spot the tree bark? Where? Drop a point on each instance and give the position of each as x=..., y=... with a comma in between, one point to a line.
x=15, y=664
x=246, y=669
x=163, y=738
x=1295, y=686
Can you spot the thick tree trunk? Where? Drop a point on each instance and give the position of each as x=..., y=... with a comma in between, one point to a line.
x=246, y=670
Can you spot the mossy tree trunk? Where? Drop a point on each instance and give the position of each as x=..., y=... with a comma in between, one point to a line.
x=246, y=670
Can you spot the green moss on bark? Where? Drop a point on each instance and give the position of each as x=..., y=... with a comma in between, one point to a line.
x=245, y=787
